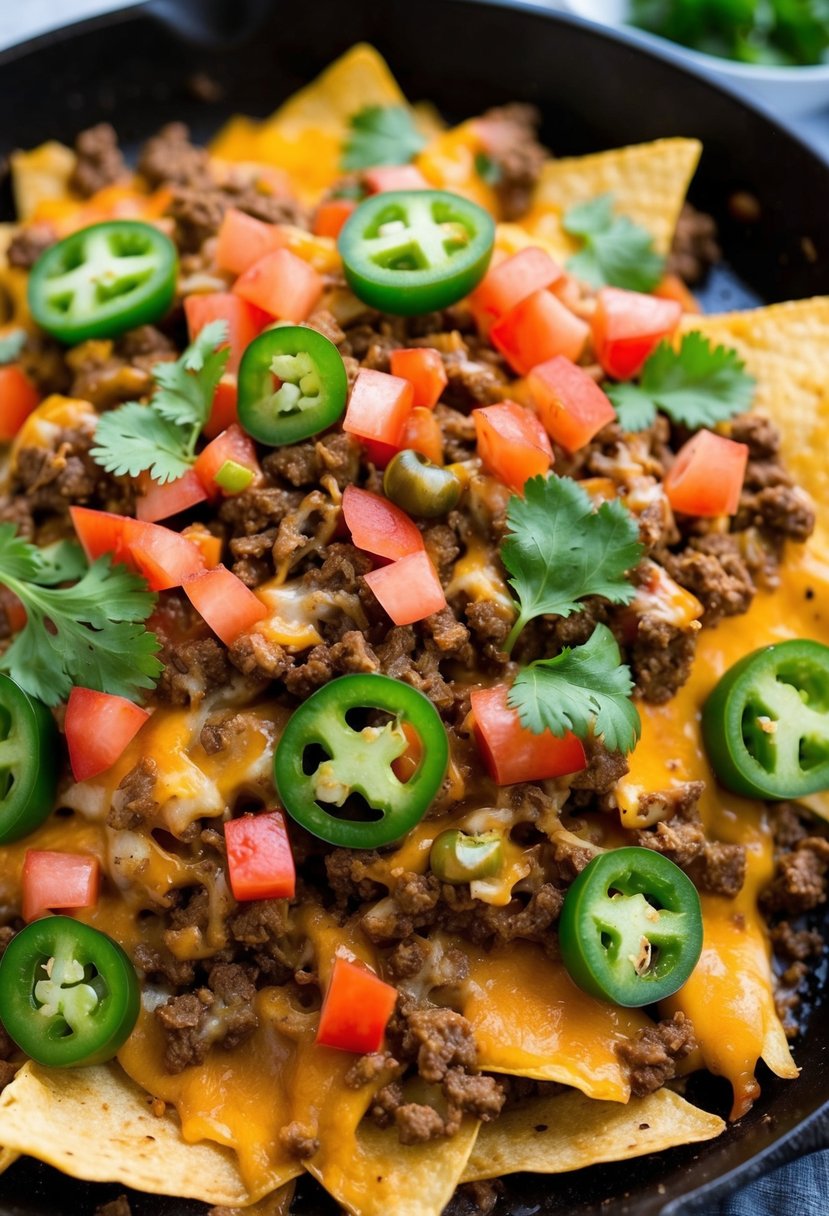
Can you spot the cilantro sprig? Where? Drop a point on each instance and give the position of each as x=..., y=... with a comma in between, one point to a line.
x=160, y=438
x=697, y=385
x=381, y=135
x=91, y=634
x=559, y=550
x=616, y=252
x=584, y=688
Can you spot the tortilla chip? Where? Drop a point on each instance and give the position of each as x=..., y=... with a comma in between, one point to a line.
x=40, y=174
x=786, y=348
x=305, y=136
x=94, y=1123
x=278, y=1203
x=7, y=1158
x=373, y=1174
x=568, y=1131
x=648, y=183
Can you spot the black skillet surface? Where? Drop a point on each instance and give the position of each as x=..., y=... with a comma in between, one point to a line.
x=595, y=90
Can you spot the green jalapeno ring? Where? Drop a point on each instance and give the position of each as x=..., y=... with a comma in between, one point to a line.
x=457, y=857
x=766, y=724
x=313, y=389
x=28, y=762
x=69, y=995
x=415, y=251
x=420, y=487
x=630, y=930
x=359, y=761
x=103, y=280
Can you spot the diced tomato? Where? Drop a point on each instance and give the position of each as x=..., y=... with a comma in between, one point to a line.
x=378, y=407
x=208, y=545
x=99, y=532
x=356, y=1009
x=673, y=288
x=628, y=326
x=538, y=329
x=423, y=368
x=394, y=177
x=569, y=402
x=512, y=443
x=422, y=434
x=243, y=240
x=98, y=728
x=260, y=863
x=160, y=502
x=229, y=607
x=224, y=411
x=409, y=589
x=18, y=397
x=378, y=526
x=331, y=215
x=244, y=320
x=707, y=476
x=510, y=282
x=379, y=453
x=510, y=751
x=58, y=882
x=234, y=445
x=282, y=284
x=165, y=558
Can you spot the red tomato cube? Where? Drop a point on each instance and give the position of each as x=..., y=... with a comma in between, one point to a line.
x=510, y=751
x=58, y=882
x=423, y=368
x=569, y=402
x=243, y=240
x=537, y=329
x=244, y=322
x=378, y=526
x=18, y=397
x=394, y=177
x=512, y=443
x=260, y=863
x=98, y=728
x=281, y=284
x=378, y=407
x=409, y=589
x=510, y=282
x=160, y=502
x=707, y=476
x=356, y=1008
x=227, y=605
x=628, y=326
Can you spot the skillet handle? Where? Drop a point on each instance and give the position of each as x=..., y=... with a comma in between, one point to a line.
x=212, y=23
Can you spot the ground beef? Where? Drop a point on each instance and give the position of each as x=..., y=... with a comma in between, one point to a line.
x=298, y=1140
x=57, y=477
x=800, y=879
x=721, y=868
x=304, y=464
x=508, y=134
x=220, y=728
x=28, y=244
x=439, y=1039
x=796, y=945
x=695, y=246
x=191, y=671
x=133, y=801
x=220, y=1015
x=347, y=875
x=169, y=158
x=713, y=865
x=786, y=511
x=103, y=376
x=651, y=1057
x=164, y=966
x=603, y=770
x=713, y=570
x=458, y=432
x=661, y=658
x=759, y=434
x=352, y=654
x=258, y=510
x=368, y=1068
x=256, y=657
x=99, y=161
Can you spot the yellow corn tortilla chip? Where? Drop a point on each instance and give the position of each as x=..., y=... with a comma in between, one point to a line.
x=7, y=1158
x=100, y=1128
x=786, y=348
x=305, y=136
x=373, y=1174
x=40, y=174
x=648, y=183
x=569, y=1131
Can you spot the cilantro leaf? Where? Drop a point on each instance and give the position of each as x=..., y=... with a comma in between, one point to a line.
x=11, y=344
x=616, y=251
x=381, y=135
x=134, y=439
x=186, y=388
x=488, y=170
x=697, y=385
x=582, y=689
x=91, y=634
x=559, y=550
x=160, y=438
x=62, y=562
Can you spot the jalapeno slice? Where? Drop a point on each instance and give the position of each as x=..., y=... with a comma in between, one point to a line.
x=457, y=857
x=413, y=251
x=419, y=486
x=103, y=280
x=292, y=384
x=329, y=753
x=766, y=724
x=68, y=993
x=28, y=768
x=631, y=927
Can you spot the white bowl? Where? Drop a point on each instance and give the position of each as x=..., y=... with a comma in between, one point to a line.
x=784, y=91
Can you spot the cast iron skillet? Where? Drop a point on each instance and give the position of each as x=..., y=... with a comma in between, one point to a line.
x=596, y=90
